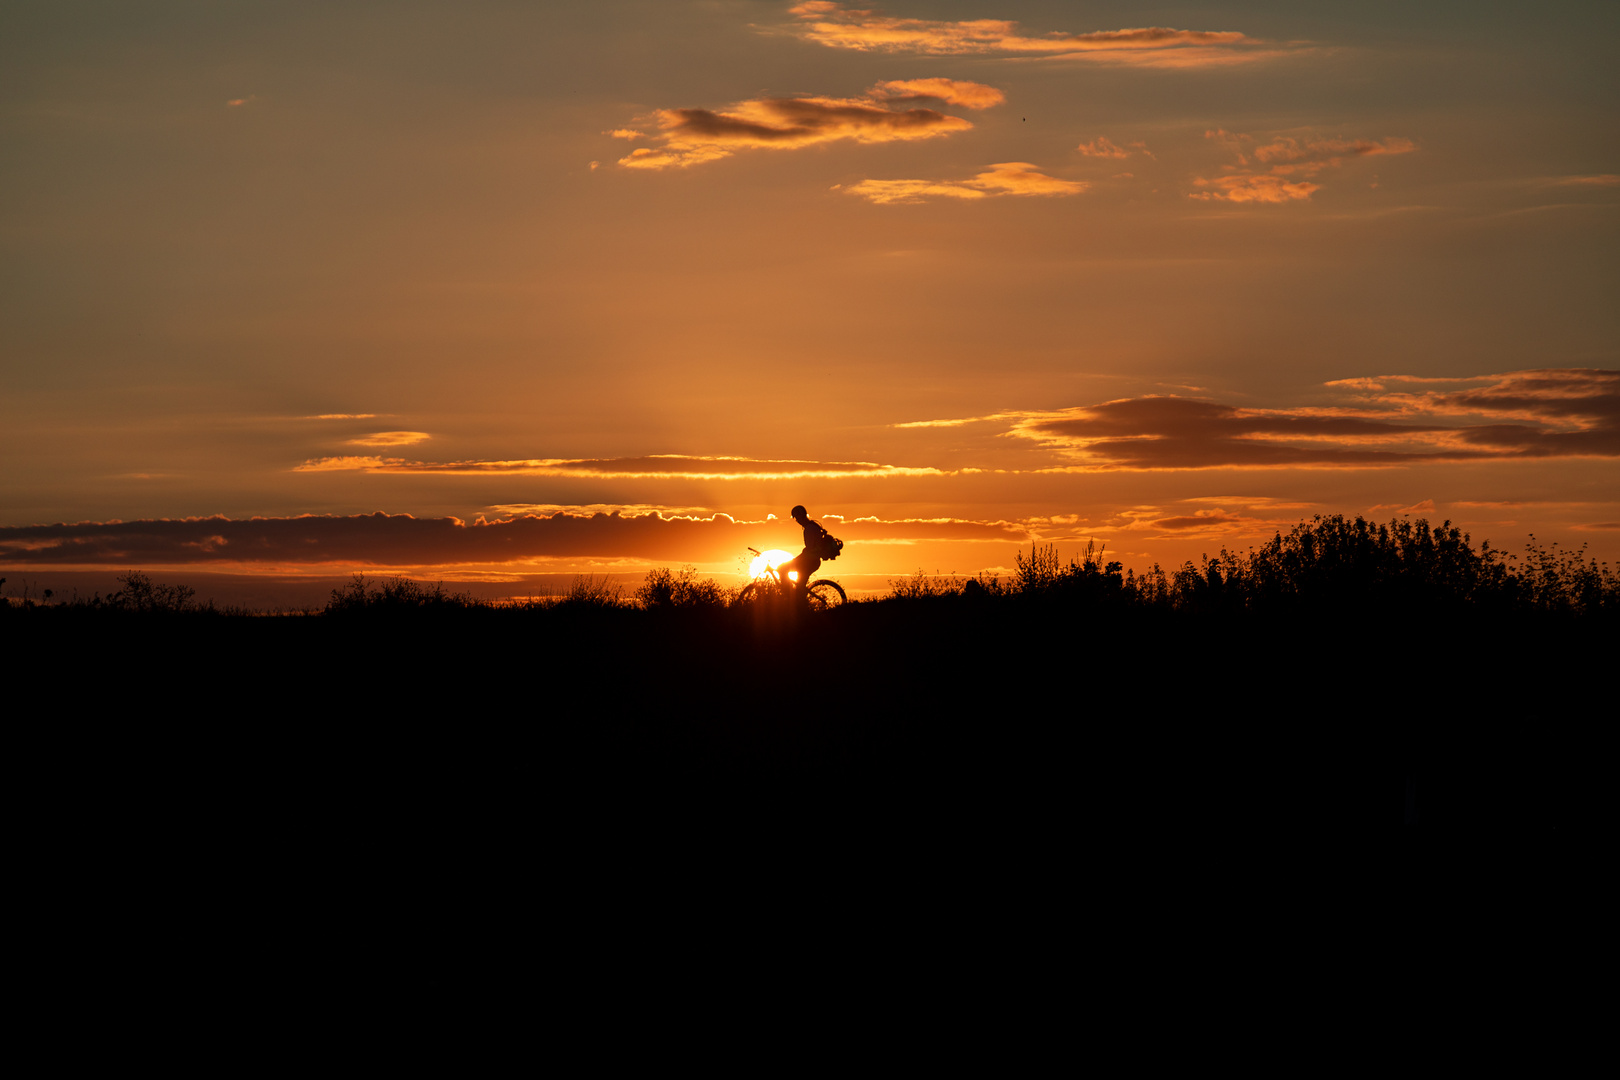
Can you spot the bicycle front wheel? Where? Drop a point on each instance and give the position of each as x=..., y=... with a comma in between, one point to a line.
x=824, y=595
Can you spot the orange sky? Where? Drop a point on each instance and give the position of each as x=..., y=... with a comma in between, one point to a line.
x=956, y=276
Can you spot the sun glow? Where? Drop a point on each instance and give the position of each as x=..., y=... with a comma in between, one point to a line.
x=770, y=560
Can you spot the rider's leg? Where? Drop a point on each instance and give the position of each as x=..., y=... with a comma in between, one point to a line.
x=792, y=566
x=806, y=565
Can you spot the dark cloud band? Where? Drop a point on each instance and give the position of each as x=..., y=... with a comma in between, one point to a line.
x=402, y=540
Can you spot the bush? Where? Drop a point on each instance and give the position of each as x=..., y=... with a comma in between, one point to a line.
x=921, y=585
x=664, y=588
x=141, y=594
x=591, y=591
x=400, y=594
x=1331, y=564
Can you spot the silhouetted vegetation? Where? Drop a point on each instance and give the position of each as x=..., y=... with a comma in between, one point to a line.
x=395, y=597
x=1318, y=676
x=139, y=595
x=1334, y=566
x=665, y=589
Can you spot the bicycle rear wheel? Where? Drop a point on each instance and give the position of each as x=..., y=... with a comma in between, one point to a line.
x=824, y=595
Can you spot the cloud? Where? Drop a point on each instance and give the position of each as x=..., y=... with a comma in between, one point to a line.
x=693, y=136
x=1182, y=433
x=1102, y=147
x=1220, y=516
x=652, y=466
x=969, y=95
x=1378, y=382
x=1423, y=506
x=1598, y=180
x=1290, y=165
x=1201, y=519
x=625, y=133
x=340, y=464
x=1313, y=155
x=343, y=416
x=549, y=509
x=391, y=438
x=1550, y=413
x=1005, y=178
x=836, y=26
x=1022, y=178
x=400, y=540
x=1250, y=188
x=911, y=191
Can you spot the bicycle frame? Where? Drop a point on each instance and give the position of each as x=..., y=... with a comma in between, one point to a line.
x=820, y=593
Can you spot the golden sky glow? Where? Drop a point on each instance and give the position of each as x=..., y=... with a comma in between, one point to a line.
x=574, y=287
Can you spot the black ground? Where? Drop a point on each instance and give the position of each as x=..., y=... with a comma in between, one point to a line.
x=934, y=716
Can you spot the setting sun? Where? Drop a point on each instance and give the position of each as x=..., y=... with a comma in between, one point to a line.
x=770, y=560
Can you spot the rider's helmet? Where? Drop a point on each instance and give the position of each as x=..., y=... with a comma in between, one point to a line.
x=798, y=512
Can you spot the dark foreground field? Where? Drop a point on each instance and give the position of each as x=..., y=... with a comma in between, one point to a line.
x=1069, y=702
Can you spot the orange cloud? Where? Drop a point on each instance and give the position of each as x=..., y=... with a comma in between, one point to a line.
x=391, y=438
x=884, y=192
x=340, y=464
x=633, y=509
x=1565, y=412
x=1582, y=403
x=1598, y=180
x=1022, y=178
x=343, y=416
x=653, y=466
x=1423, y=506
x=969, y=95
x=1317, y=154
x=693, y=136
x=1102, y=147
x=1292, y=162
x=836, y=26
x=1005, y=178
x=1250, y=188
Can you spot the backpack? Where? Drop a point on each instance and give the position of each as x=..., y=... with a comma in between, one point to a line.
x=830, y=547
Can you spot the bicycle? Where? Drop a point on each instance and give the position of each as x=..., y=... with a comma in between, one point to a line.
x=822, y=594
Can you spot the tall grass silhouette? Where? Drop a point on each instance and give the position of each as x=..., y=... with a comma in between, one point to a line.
x=1331, y=563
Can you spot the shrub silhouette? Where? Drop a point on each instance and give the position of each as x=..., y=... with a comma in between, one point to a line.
x=922, y=585
x=1332, y=563
x=400, y=594
x=588, y=590
x=141, y=594
x=664, y=589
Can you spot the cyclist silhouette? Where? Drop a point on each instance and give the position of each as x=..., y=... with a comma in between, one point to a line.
x=817, y=542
